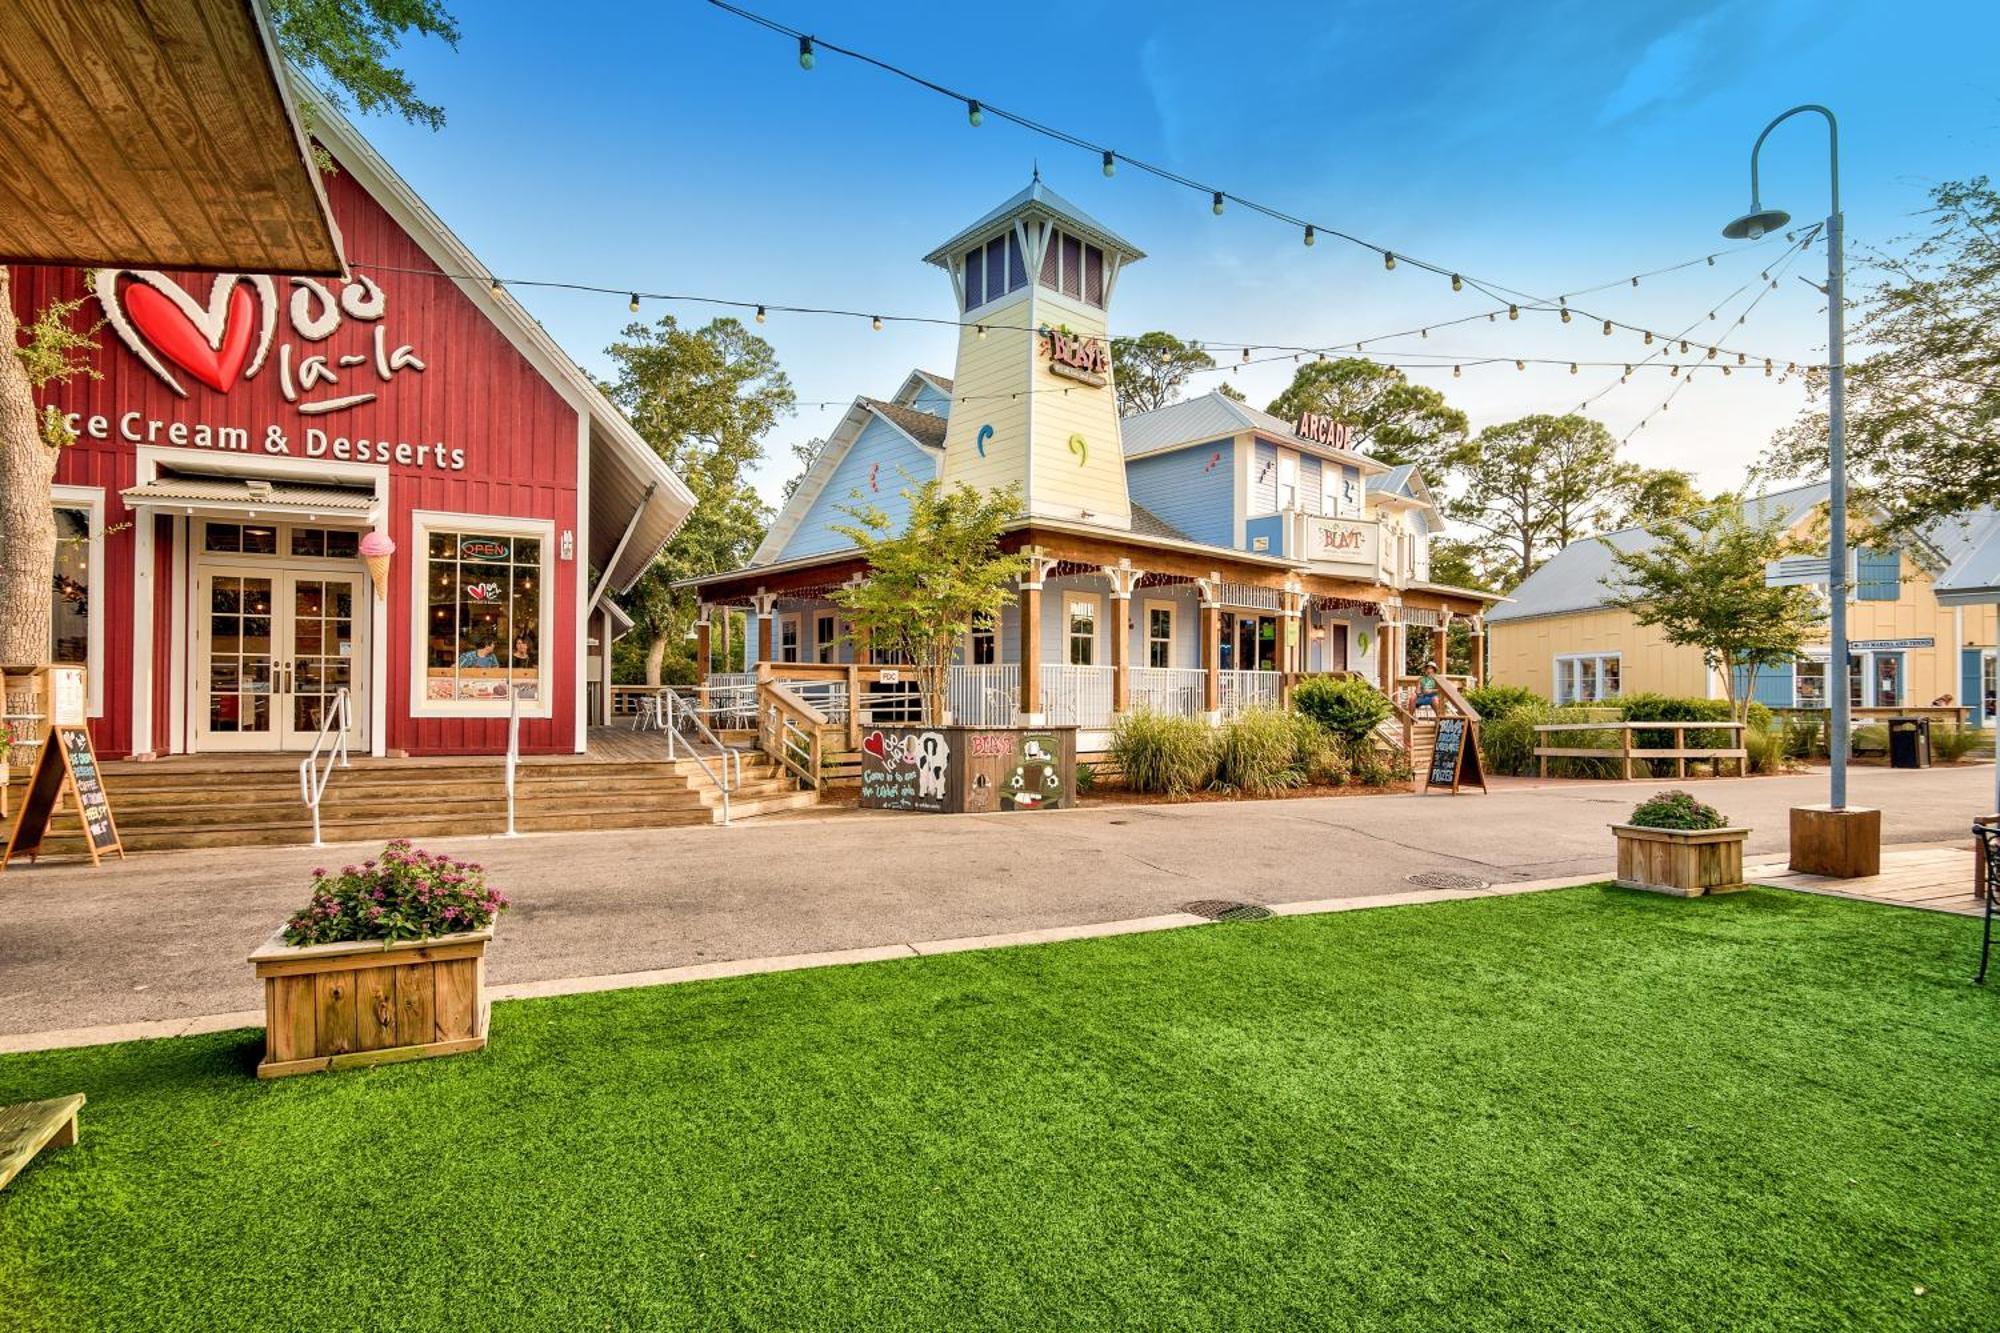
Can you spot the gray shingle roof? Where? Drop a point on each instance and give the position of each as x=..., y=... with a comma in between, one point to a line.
x=923, y=427
x=1149, y=524
x=1574, y=578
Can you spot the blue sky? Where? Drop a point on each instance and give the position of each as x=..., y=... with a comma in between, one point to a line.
x=1549, y=147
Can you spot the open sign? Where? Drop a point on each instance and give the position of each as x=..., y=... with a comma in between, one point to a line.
x=482, y=548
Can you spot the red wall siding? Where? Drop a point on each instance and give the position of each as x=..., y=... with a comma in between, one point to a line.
x=166, y=636
x=477, y=394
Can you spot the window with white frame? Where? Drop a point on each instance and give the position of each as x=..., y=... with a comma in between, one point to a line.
x=1081, y=617
x=1159, y=634
x=788, y=638
x=993, y=270
x=484, y=614
x=1809, y=683
x=1583, y=678
x=76, y=620
x=1288, y=479
x=982, y=646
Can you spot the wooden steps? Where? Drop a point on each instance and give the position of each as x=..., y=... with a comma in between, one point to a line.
x=215, y=801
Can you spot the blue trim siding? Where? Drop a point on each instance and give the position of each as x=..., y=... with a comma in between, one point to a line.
x=1969, y=681
x=1878, y=576
x=874, y=467
x=1271, y=526
x=1774, y=687
x=1193, y=488
x=929, y=399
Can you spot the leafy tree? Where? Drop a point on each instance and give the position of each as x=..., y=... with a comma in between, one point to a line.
x=1231, y=392
x=929, y=581
x=1648, y=494
x=1391, y=418
x=1923, y=408
x=1701, y=581
x=1459, y=564
x=1528, y=488
x=346, y=42
x=1149, y=370
x=807, y=452
x=345, y=46
x=703, y=398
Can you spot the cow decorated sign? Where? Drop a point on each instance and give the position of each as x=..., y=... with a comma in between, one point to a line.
x=968, y=770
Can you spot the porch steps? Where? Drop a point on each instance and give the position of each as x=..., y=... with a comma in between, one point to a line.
x=255, y=802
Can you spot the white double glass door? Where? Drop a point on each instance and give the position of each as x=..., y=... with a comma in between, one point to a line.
x=273, y=649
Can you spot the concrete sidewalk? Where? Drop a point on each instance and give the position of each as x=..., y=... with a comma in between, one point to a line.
x=163, y=938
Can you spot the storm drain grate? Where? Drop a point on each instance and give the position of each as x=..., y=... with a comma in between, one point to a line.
x=1221, y=909
x=1445, y=879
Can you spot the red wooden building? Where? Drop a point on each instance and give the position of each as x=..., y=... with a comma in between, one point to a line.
x=250, y=441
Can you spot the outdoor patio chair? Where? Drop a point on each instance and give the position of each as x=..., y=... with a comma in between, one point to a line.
x=652, y=713
x=1989, y=887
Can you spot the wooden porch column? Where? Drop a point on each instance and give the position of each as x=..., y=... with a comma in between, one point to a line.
x=728, y=620
x=1211, y=655
x=1031, y=649
x=1441, y=645
x=1291, y=650
x=1123, y=580
x=703, y=662
x=766, y=605
x=1478, y=642
x=1385, y=645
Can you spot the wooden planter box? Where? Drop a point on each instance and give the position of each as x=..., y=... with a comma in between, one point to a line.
x=338, y=1006
x=1686, y=862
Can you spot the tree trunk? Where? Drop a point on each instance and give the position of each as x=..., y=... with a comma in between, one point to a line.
x=27, y=522
x=656, y=656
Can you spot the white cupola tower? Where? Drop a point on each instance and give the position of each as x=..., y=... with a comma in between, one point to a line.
x=1033, y=401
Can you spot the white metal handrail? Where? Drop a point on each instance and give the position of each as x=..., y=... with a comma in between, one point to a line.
x=731, y=776
x=312, y=778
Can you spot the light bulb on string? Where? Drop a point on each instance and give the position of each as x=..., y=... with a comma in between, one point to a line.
x=875, y=322
x=1565, y=314
x=1457, y=283
x=1741, y=360
x=1491, y=317
x=1520, y=365
x=494, y=290
x=1725, y=370
x=1635, y=281
x=1216, y=206
x=1711, y=314
x=760, y=314
x=1684, y=346
x=1513, y=312
x=1457, y=371
x=1767, y=368
x=805, y=53
x=1649, y=337
x=973, y=115
x=1607, y=328
x=1711, y=354
x=633, y=304
x=1673, y=372
x=1791, y=367
x=1388, y=261
x=1309, y=233
x=1246, y=356
x=980, y=332
x=1711, y=261
x=1423, y=333
x=1110, y=164
x=1572, y=367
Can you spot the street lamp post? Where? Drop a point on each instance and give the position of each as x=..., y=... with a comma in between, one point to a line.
x=1751, y=226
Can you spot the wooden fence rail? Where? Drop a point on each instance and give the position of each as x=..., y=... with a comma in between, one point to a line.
x=1628, y=749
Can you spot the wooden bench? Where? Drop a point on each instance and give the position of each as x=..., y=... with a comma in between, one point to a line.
x=32, y=1126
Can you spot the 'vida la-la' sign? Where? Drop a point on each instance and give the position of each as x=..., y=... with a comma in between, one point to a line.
x=1075, y=356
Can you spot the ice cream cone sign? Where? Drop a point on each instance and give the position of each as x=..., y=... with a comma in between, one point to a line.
x=376, y=548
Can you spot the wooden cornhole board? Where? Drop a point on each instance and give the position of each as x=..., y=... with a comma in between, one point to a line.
x=32, y=1126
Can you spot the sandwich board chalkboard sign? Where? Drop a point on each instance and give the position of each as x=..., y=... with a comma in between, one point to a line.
x=67, y=764
x=1455, y=760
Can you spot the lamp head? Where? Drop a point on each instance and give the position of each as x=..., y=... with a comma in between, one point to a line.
x=1756, y=223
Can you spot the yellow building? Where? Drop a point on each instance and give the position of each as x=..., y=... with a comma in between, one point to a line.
x=1561, y=638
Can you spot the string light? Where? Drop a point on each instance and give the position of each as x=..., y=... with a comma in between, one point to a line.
x=982, y=333
x=876, y=322
x=494, y=291
x=1725, y=369
x=1607, y=328
x=633, y=304
x=1246, y=354
x=1457, y=371
x=760, y=314
x=1388, y=261
x=1572, y=367
x=805, y=53
x=1767, y=368
x=973, y=116
x=1520, y=365
x=1457, y=283
x=1565, y=314
x=1711, y=354
x=1740, y=360
x=1674, y=372
x=1635, y=281
x=1649, y=337
x=1684, y=346
x=1216, y=205
x=1309, y=233
x=1513, y=312
x=1110, y=164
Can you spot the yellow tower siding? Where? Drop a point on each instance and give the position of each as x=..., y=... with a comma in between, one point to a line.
x=1070, y=482
x=1523, y=652
x=986, y=391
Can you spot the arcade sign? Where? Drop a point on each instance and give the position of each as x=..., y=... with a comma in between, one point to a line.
x=1323, y=429
x=1078, y=357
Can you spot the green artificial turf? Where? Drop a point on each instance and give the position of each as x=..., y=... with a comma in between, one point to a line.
x=1585, y=1109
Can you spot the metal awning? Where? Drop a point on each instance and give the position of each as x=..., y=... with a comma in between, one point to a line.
x=155, y=134
x=253, y=497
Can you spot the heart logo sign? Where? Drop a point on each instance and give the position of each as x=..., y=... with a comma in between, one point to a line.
x=218, y=344
x=875, y=744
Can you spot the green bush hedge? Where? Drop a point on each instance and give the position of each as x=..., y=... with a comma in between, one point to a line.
x=1348, y=707
x=1508, y=745
x=1164, y=756
x=1951, y=744
x=1265, y=750
x=1493, y=702
x=1677, y=810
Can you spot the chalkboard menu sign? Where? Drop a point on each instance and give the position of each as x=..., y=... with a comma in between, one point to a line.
x=67, y=764
x=1455, y=760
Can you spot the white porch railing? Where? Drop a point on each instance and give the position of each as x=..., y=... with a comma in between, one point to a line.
x=732, y=699
x=1169, y=691
x=1243, y=690
x=1077, y=695
x=332, y=738
x=984, y=696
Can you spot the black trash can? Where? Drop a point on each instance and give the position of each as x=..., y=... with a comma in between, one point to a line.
x=1909, y=742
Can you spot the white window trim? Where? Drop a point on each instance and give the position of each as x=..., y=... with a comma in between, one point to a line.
x=1556, y=676
x=91, y=499
x=796, y=619
x=1096, y=603
x=417, y=579
x=1146, y=639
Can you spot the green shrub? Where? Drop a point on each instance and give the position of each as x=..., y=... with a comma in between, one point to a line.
x=1951, y=744
x=1166, y=756
x=1086, y=777
x=1677, y=810
x=1508, y=745
x=1758, y=716
x=1766, y=750
x=1494, y=702
x=1872, y=738
x=1330, y=764
x=1667, y=708
x=1805, y=735
x=1346, y=706
x=1261, y=750
x=1378, y=765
